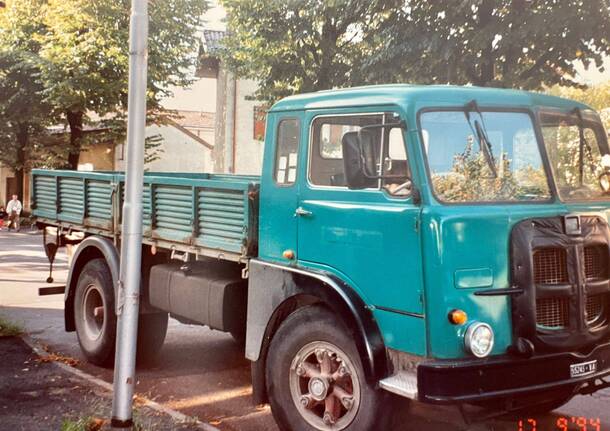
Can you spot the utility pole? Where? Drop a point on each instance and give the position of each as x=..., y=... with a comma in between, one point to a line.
x=128, y=299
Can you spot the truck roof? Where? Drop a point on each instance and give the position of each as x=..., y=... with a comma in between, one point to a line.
x=401, y=94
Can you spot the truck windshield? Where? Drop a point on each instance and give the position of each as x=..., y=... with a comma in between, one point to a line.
x=575, y=143
x=460, y=171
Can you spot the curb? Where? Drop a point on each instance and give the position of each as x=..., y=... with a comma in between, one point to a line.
x=176, y=415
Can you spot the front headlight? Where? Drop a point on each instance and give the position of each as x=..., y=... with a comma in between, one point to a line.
x=479, y=339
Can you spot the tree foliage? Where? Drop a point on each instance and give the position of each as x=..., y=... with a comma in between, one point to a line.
x=67, y=62
x=301, y=45
x=596, y=96
x=23, y=111
x=507, y=43
x=304, y=45
x=86, y=60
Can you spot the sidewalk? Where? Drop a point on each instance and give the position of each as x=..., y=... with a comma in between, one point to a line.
x=36, y=394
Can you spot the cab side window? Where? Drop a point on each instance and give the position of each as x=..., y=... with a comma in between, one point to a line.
x=287, y=149
x=326, y=165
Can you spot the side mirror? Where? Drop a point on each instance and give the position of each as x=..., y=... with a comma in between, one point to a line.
x=358, y=160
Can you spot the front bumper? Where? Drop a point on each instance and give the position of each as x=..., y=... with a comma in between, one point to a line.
x=465, y=381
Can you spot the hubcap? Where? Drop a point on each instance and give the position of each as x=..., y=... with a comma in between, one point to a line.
x=93, y=310
x=324, y=386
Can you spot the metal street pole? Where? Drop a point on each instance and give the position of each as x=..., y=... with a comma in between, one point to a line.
x=131, y=246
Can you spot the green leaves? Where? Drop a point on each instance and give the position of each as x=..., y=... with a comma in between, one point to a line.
x=69, y=60
x=307, y=45
x=301, y=45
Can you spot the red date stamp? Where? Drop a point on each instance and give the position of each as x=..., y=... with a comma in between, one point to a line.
x=572, y=423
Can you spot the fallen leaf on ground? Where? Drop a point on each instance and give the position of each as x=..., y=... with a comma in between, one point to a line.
x=96, y=424
x=53, y=357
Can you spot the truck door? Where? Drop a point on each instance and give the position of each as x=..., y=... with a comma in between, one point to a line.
x=370, y=236
x=278, y=226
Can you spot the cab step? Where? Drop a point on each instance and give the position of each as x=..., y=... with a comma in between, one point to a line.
x=403, y=383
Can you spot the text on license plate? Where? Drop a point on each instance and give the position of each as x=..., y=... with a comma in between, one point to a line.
x=583, y=369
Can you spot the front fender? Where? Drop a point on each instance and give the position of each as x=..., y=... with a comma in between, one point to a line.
x=271, y=285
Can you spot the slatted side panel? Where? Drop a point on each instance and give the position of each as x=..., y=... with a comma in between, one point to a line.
x=99, y=200
x=146, y=206
x=45, y=195
x=222, y=218
x=71, y=199
x=173, y=209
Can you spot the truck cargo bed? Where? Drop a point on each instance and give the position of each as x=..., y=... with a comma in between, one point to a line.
x=206, y=214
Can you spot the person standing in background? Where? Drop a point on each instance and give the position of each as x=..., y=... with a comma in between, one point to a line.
x=13, y=209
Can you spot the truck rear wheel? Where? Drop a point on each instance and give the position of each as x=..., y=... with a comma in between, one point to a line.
x=315, y=378
x=94, y=315
x=152, y=328
x=95, y=319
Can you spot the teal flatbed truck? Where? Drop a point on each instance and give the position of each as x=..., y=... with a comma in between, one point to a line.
x=443, y=244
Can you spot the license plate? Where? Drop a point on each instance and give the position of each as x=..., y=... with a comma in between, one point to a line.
x=583, y=369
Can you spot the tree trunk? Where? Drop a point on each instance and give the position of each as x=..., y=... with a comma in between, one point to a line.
x=75, y=121
x=19, y=167
x=487, y=54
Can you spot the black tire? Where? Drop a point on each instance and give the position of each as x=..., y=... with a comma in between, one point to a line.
x=99, y=348
x=96, y=335
x=152, y=329
x=308, y=328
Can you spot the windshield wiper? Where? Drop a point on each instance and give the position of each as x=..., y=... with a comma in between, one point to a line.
x=583, y=146
x=481, y=133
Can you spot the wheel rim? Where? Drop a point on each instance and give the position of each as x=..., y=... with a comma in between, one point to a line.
x=324, y=386
x=93, y=312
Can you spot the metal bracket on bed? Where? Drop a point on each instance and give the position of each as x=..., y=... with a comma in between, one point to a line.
x=183, y=256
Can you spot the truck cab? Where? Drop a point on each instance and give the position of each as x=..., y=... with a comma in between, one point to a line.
x=470, y=223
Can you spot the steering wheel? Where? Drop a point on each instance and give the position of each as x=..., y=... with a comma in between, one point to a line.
x=404, y=186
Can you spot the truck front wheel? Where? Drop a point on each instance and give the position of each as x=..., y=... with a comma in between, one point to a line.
x=96, y=321
x=315, y=378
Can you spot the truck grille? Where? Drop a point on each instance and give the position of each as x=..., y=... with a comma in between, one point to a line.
x=596, y=308
x=552, y=313
x=596, y=262
x=550, y=266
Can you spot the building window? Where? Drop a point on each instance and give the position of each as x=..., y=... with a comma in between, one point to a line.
x=260, y=116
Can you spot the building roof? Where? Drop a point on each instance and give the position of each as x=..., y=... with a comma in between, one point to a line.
x=428, y=95
x=211, y=41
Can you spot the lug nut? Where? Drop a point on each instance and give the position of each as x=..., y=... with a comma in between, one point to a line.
x=328, y=419
x=347, y=402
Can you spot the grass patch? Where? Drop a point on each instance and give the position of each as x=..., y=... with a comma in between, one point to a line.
x=9, y=329
x=92, y=423
x=89, y=423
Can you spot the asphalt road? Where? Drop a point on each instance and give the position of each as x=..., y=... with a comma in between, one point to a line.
x=203, y=373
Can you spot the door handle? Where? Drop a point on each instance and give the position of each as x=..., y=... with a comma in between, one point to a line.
x=302, y=212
